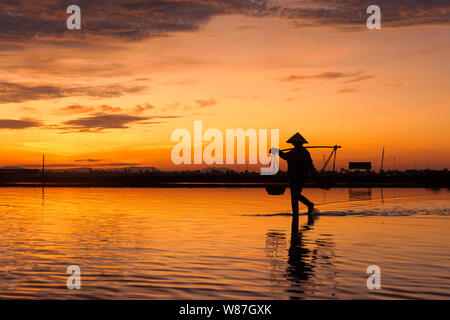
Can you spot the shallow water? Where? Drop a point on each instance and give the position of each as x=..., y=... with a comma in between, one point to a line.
x=223, y=244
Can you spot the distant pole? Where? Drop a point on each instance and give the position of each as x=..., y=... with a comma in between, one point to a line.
x=334, y=160
x=43, y=170
x=382, y=160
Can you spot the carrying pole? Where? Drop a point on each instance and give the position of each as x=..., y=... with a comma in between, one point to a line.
x=333, y=154
x=315, y=147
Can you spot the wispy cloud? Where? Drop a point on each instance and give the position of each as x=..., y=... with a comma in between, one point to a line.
x=109, y=109
x=77, y=109
x=74, y=109
x=16, y=92
x=347, y=90
x=88, y=160
x=118, y=164
x=140, y=108
x=19, y=124
x=99, y=122
x=348, y=77
x=205, y=103
x=328, y=75
x=361, y=78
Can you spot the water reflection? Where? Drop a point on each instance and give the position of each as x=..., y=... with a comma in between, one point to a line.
x=309, y=268
x=134, y=243
x=276, y=251
x=359, y=194
x=43, y=195
x=300, y=264
x=306, y=264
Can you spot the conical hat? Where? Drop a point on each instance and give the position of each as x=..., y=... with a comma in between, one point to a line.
x=297, y=138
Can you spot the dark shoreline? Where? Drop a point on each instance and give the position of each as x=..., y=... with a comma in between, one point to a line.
x=218, y=179
x=216, y=185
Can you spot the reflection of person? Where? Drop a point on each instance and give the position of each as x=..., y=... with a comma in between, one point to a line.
x=300, y=165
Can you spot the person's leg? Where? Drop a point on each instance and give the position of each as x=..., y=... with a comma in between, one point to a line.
x=305, y=200
x=294, y=199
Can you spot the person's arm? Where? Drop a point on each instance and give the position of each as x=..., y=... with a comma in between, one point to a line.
x=283, y=155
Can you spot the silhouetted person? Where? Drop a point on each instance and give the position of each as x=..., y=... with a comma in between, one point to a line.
x=300, y=165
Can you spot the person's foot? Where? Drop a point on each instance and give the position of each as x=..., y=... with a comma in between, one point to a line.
x=311, y=208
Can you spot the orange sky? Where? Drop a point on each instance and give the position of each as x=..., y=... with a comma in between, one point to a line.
x=78, y=97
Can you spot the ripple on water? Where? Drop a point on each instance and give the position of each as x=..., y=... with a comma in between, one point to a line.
x=222, y=244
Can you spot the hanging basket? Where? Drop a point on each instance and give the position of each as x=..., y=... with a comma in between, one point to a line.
x=275, y=189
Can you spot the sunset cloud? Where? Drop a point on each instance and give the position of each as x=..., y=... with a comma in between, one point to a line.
x=109, y=109
x=99, y=122
x=143, y=107
x=118, y=164
x=88, y=160
x=360, y=78
x=74, y=109
x=135, y=20
x=19, y=124
x=347, y=90
x=15, y=92
x=205, y=103
x=331, y=75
